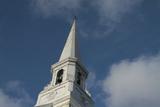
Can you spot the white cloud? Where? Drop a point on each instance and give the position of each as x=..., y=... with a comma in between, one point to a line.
x=53, y=7
x=134, y=83
x=14, y=95
x=110, y=12
x=113, y=10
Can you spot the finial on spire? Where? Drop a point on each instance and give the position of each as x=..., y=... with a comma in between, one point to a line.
x=70, y=49
x=75, y=17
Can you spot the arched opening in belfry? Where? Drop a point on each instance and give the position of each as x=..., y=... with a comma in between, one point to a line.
x=79, y=78
x=59, y=76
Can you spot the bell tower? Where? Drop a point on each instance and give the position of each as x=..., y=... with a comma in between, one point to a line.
x=67, y=87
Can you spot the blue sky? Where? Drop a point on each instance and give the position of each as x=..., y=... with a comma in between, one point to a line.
x=117, y=38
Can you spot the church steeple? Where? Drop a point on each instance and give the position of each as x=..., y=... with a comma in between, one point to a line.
x=67, y=87
x=70, y=49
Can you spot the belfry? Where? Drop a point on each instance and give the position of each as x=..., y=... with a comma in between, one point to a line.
x=67, y=87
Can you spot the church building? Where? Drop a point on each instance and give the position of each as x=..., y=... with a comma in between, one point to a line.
x=67, y=87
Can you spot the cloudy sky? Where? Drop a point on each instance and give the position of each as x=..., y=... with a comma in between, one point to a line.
x=119, y=44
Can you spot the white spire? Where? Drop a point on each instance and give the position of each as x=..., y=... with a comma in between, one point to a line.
x=70, y=49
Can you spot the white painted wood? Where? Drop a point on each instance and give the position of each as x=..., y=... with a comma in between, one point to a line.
x=67, y=93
